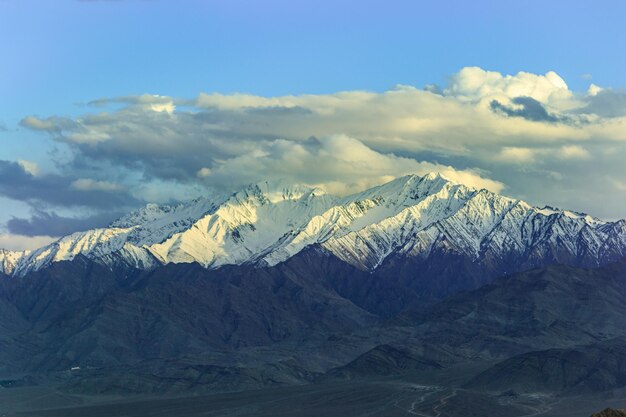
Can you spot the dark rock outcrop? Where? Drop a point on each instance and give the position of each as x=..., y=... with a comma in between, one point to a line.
x=609, y=412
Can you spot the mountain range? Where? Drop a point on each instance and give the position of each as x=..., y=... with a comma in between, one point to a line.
x=420, y=281
x=411, y=217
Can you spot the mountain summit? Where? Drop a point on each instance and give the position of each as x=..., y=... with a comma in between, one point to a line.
x=411, y=217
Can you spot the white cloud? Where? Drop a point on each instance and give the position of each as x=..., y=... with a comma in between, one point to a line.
x=36, y=123
x=593, y=90
x=203, y=172
x=88, y=137
x=220, y=140
x=338, y=163
x=522, y=155
x=168, y=107
x=152, y=102
x=471, y=177
x=476, y=84
x=18, y=242
x=31, y=167
x=573, y=152
x=517, y=155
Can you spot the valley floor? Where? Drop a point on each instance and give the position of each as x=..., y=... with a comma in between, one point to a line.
x=350, y=399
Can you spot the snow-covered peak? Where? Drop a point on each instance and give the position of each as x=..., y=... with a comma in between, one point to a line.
x=574, y=215
x=273, y=192
x=435, y=176
x=268, y=222
x=548, y=210
x=152, y=212
x=8, y=260
x=407, y=189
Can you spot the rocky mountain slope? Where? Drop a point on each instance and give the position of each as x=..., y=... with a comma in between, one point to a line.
x=577, y=370
x=553, y=307
x=610, y=412
x=80, y=313
x=180, y=316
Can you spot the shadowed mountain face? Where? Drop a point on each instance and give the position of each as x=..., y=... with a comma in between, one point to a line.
x=314, y=309
x=579, y=370
x=182, y=329
x=552, y=307
x=82, y=314
x=384, y=360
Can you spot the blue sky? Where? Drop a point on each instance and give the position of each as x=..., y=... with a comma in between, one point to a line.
x=61, y=53
x=57, y=56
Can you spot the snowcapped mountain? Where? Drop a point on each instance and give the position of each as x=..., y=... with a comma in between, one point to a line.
x=267, y=223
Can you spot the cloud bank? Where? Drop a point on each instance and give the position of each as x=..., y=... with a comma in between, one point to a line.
x=527, y=135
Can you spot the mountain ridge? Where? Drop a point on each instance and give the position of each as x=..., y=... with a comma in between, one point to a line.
x=266, y=223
